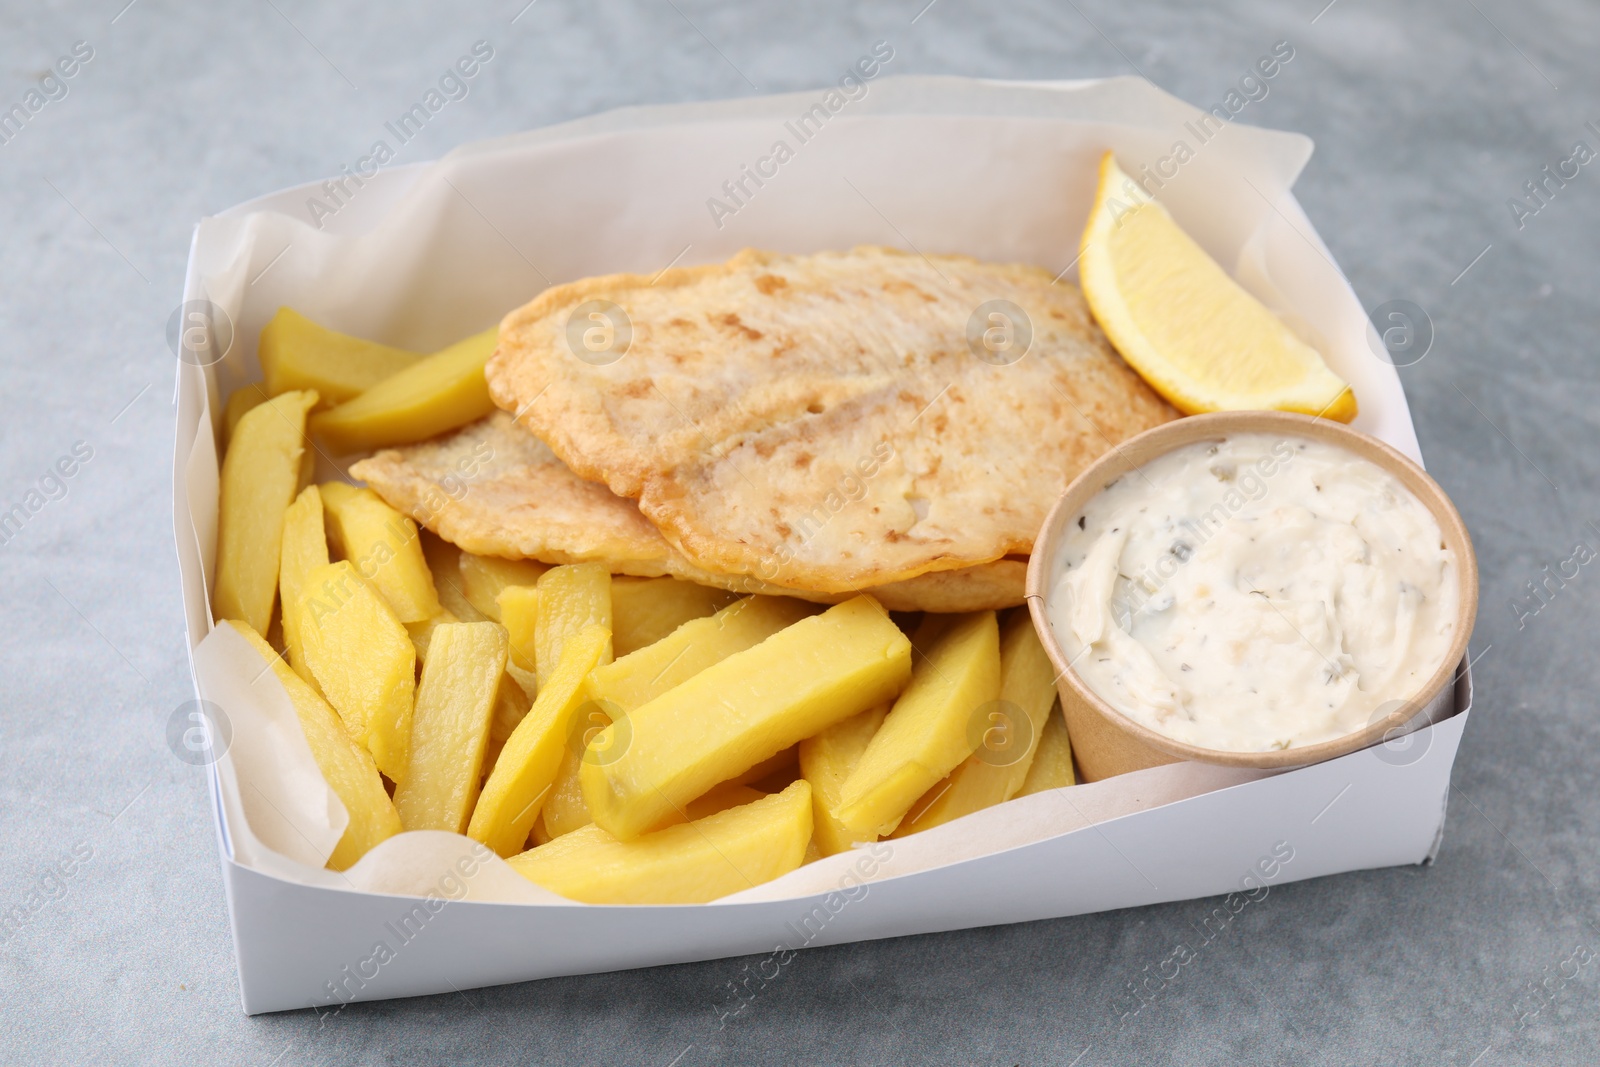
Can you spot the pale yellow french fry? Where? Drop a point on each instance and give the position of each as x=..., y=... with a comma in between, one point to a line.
x=362, y=659
x=725, y=796
x=519, y=614
x=422, y=632
x=308, y=469
x=510, y=708
x=787, y=760
x=745, y=709
x=1009, y=734
x=1052, y=763
x=305, y=548
x=463, y=581
x=384, y=547
x=639, y=677
x=242, y=401
x=527, y=765
x=450, y=726
x=444, y=563
x=826, y=760
x=437, y=393
x=482, y=578
x=645, y=610
x=928, y=731
x=345, y=765
x=565, y=809
x=259, y=474
x=689, y=863
x=570, y=599
x=296, y=353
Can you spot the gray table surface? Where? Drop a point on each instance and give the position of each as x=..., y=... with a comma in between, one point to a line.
x=1427, y=117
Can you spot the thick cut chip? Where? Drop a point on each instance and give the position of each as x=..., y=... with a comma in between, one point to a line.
x=422, y=632
x=444, y=564
x=930, y=729
x=259, y=479
x=826, y=760
x=830, y=421
x=644, y=610
x=638, y=678
x=435, y=394
x=743, y=710
x=519, y=614
x=447, y=563
x=526, y=767
x=384, y=547
x=565, y=809
x=345, y=765
x=496, y=490
x=511, y=706
x=1052, y=763
x=571, y=598
x=296, y=353
x=241, y=402
x=483, y=578
x=1010, y=733
x=305, y=548
x=450, y=726
x=725, y=796
x=688, y=863
x=362, y=659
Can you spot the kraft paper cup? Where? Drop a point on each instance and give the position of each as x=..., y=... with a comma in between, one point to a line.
x=1104, y=741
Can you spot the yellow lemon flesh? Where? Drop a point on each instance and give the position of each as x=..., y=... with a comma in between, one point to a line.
x=1188, y=328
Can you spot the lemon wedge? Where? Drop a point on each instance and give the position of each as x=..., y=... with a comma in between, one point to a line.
x=1188, y=328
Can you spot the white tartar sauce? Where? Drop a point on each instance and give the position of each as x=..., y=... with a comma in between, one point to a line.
x=1254, y=593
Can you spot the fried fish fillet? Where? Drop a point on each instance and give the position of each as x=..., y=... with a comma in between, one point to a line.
x=494, y=489
x=827, y=421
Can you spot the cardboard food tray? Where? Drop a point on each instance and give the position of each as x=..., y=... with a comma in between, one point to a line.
x=425, y=254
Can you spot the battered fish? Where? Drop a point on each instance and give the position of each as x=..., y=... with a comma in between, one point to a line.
x=827, y=422
x=494, y=489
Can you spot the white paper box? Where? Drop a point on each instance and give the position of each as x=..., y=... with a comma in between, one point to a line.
x=422, y=255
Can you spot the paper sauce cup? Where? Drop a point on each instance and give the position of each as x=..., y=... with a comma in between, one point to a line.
x=1104, y=741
